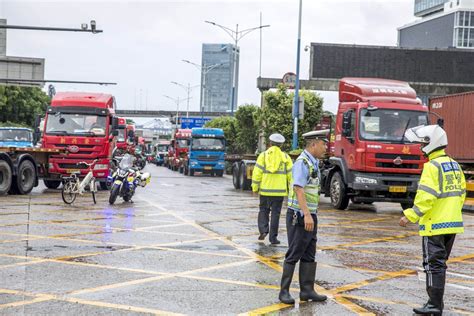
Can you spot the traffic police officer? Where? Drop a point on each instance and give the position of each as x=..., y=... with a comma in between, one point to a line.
x=301, y=220
x=271, y=178
x=437, y=209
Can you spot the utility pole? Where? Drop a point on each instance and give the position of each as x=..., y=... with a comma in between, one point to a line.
x=188, y=90
x=84, y=28
x=236, y=36
x=177, y=101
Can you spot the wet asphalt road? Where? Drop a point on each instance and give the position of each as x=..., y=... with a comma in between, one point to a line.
x=188, y=245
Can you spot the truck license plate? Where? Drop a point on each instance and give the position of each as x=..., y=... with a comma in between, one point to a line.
x=207, y=168
x=73, y=171
x=397, y=189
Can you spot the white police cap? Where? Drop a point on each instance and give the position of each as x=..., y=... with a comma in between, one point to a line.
x=277, y=138
x=317, y=135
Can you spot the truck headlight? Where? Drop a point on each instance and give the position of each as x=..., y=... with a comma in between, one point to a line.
x=221, y=163
x=101, y=166
x=193, y=163
x=365, y=180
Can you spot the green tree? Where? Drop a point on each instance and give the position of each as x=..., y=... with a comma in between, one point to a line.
x=20, y=105
x=276, y=116
x=229, y=125
x=247, y=128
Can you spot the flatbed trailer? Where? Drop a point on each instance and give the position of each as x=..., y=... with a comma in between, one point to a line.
x=20, y=168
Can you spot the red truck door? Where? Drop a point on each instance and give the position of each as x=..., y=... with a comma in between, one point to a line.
x=348, y=137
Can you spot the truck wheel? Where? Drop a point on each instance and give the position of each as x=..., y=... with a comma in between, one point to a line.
x=191, y=172
x=181, y=169
x=104, y=186
x=339, y=198
x=406, y=205
x=220, y=173
x=186, y=171
x=25, y=179
x=236, y=175
x=5, y=177
x=246, y=184
x=52, y=184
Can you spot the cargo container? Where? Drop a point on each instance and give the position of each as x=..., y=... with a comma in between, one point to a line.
x=457, y=111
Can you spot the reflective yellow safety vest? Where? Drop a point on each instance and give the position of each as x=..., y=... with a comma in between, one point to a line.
x=311, y=189
x=272, y=173
x=440, y=197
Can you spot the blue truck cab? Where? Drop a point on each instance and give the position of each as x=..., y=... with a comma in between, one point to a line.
x=16, y=137
x=206, y=152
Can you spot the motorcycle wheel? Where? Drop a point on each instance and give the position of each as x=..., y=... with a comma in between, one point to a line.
x=114, y=194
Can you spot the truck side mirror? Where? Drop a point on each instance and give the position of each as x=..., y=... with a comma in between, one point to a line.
x=37, y=132
x=115, y=133
x=346, y=124
x=115, y=123
x=130, y=136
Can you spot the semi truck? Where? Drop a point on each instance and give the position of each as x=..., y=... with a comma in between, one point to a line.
x=368, y=159
x=178, y=150
x=160, y=152
x=85, y=125
x=457, y=113
x=206, y=152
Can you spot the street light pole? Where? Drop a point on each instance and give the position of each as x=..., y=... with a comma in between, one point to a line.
x=188, y=89
x=297, y=84
x=177, y=100
x=84, y=28
x=236, y=36
x=204, y=69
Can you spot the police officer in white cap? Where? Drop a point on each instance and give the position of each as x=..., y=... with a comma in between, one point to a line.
x=271, y=178
x=301, y=219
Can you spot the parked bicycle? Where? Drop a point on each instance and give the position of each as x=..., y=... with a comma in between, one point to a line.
x=72, y=185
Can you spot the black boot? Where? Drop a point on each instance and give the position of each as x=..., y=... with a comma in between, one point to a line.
x=287, y=276
x=435, y=304
x=307, y=277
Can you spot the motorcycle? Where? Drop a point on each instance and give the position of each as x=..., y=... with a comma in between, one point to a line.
x=125, y=180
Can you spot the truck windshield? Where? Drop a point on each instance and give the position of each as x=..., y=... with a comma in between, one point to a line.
x=217, y=144
x=388, y=125
x=183, y=143
x=162, y=148
x=15, y=135
x=76, y=124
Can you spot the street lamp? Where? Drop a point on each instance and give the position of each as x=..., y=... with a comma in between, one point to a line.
x=188, y=89
x=177, y=100
x=204, y=69
x=236, y=36
x=84, y=28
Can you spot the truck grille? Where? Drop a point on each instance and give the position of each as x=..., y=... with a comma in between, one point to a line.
x=72, y=166
x=83, y=149
x=206, y=158
x=392, y=165
x=394, y=156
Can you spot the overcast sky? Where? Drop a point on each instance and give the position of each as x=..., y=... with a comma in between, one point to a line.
x=144, y=42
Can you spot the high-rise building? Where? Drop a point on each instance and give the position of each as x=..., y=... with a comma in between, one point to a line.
x=443, y=24
x=427, y=7
x=217, y=77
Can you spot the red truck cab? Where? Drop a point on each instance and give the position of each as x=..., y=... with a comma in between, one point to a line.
x=85, y=125
x=122, y=134
x=371, y=160
x=178, y=149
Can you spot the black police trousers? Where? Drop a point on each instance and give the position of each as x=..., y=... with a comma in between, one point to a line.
x=301, y=243
x=269, y=204
x=436, y=251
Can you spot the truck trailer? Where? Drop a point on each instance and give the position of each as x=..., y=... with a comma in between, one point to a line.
x=457, y=113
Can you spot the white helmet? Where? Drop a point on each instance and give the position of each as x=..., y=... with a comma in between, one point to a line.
x=431, y=136
x=277, y=138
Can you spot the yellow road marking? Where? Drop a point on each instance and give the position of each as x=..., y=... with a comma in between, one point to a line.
x=367, y=241
x=266, y=310
x=353, y=306
x=38, y=299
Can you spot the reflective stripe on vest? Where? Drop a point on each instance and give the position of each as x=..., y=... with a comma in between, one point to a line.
x=311, y=190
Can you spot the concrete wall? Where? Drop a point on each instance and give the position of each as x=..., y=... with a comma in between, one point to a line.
x=435, y=33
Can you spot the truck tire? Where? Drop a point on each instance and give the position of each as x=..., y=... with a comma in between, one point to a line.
x=104, y=186
x=246, y=184
x=52, y=184
x=25, y=179
x=220, y=173
x=181, y=169
x=191, y=172
x=186, y=171
x=236, y=175
x=5, y=177
x=339, y=198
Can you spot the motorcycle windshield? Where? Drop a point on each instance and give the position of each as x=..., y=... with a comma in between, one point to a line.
x=126, y=162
